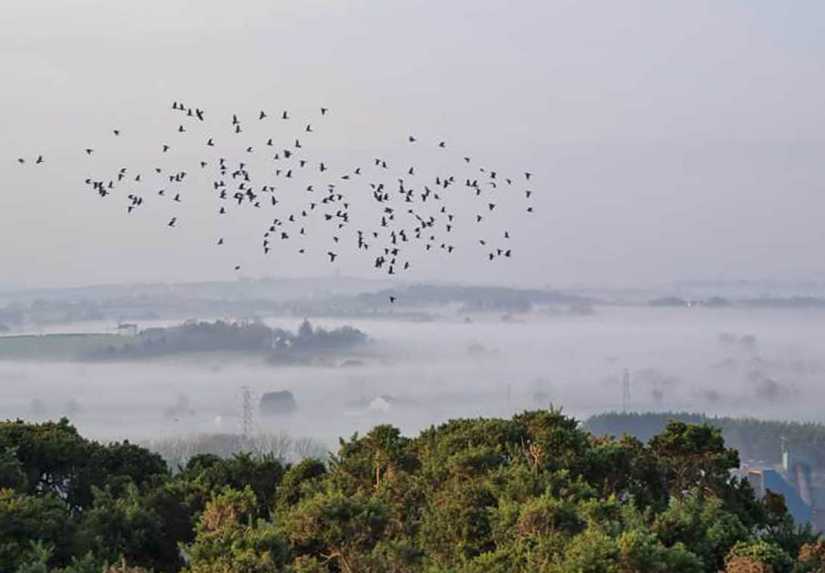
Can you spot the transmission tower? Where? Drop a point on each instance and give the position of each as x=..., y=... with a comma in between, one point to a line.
x=625, y=390
x=247, y=413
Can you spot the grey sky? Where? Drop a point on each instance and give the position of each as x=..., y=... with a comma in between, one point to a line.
x=670, y=140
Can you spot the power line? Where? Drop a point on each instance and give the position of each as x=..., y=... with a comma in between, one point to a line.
x=247, y=413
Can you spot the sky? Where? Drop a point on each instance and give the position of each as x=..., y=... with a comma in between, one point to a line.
x=668, y=140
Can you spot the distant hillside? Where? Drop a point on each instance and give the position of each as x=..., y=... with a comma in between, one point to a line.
x=273, y=344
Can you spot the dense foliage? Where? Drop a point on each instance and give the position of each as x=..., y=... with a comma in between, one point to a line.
x=532, y=494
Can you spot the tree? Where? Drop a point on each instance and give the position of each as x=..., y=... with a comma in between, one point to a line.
x=757, y=556
x=228, y=538
x=337, y=528
x=694, y=458
x=28, y=524
x=119, y=525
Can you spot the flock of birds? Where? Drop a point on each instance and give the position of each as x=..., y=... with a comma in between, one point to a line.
x=411, y=211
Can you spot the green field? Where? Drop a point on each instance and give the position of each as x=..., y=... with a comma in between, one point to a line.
x=56, y=346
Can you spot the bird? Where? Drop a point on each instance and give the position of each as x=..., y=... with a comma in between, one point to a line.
x=392, y=299
x=411, y=139
x=285, y=115
x=21, y=160
x=39, y=160
x=262, y=115
x=89, y=151
x=116, y=131
x=324, y=111
x=442, y=144
x=331, y=256
x=210, y=142
x=166, y=148
x=527, y=175
x=173, y=221
x=237, y=267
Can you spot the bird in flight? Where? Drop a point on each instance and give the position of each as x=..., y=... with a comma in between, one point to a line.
x=396, y=231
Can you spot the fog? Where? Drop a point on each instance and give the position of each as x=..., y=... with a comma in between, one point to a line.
x=667, y=141
x=765, y=363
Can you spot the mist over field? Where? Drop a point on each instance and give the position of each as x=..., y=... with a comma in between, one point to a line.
x=728, y=361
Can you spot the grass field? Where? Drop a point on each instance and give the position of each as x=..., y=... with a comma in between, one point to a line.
x=56, y=346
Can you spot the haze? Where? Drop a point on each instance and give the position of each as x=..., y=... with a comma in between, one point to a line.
x=669, y=140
